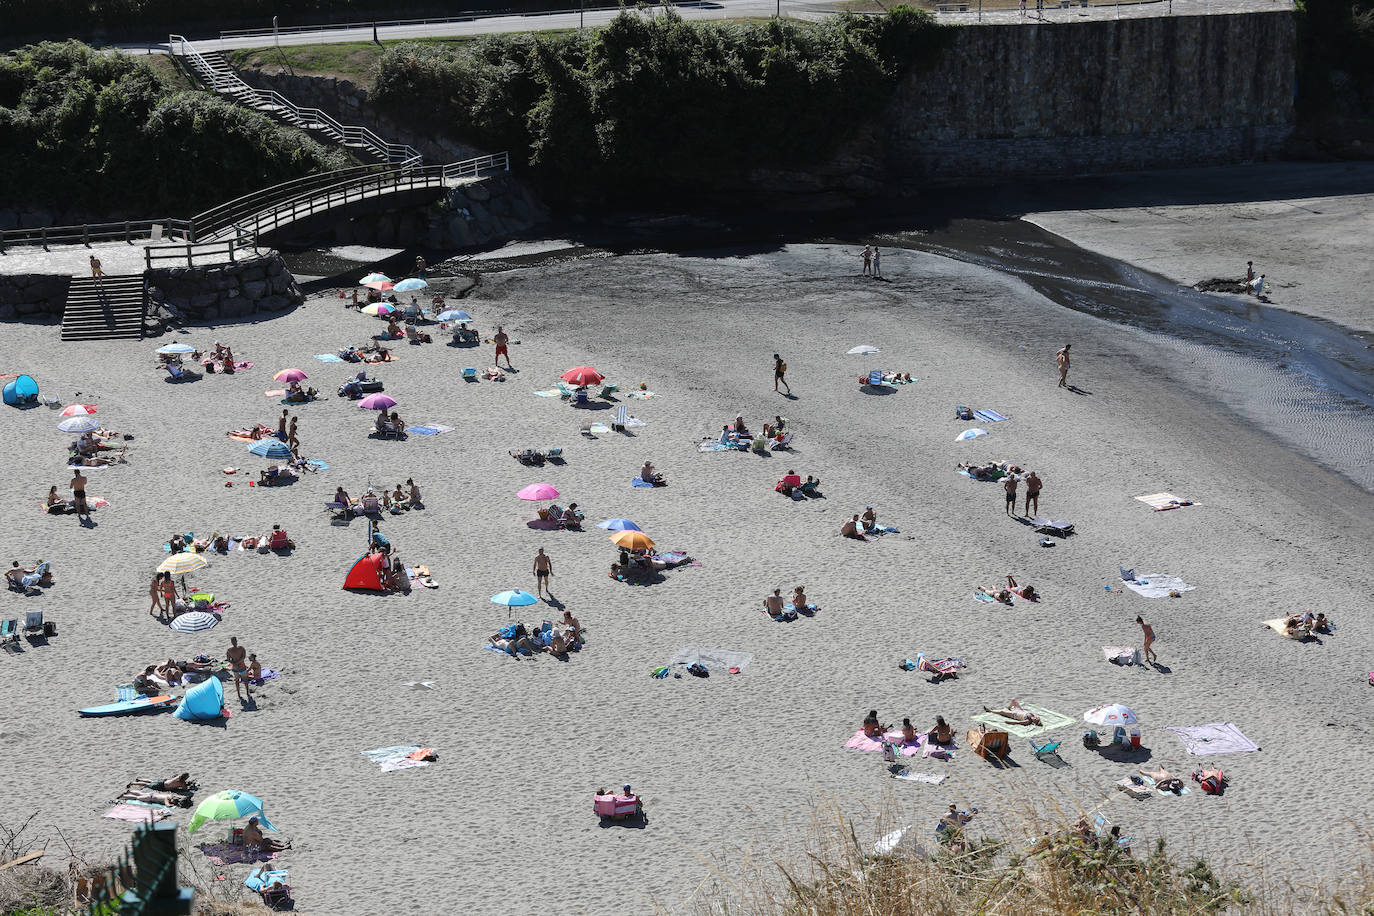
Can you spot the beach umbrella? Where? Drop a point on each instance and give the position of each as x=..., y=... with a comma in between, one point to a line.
x=377, y=401
x=78, y=425
x=454, y=315
x=619, y=524
x=632, y=540
x=194, y=622
x=378, y=309
x=1111, y=715
x=270, y=448
x=970, y=434
x=583, y=375
x=176, y=349
x=410, y=286
x=291, y=375
x=229, y=805
x=179, y=564
x=864, y=350
x=514, y=598
x=374, y=278
x=77, y=410
x=538, y=491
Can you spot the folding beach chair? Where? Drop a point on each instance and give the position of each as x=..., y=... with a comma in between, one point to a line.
x=1048, y=753
x=32, y=579
x=554, y=454
x=9, y=632
x=622, y=417
x=338, y=510
x=34, y=625
x=988, y=744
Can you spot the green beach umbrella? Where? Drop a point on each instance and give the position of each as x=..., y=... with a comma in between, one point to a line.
x=229, y=805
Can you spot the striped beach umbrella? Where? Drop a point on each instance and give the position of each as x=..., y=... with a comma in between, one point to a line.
x=194, y=622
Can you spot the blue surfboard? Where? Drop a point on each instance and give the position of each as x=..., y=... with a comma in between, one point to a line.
x=128, y=707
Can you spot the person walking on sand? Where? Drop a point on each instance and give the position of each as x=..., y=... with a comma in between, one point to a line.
x=155, y=593
x=543, y=568
x=502, y=341
x=1062, y=360
x=1009, y=484
x=292, y=442
x=78, y=486
x=281, y=427
x=1033, y=487
x=237, y=656
x=1149, y=631
x=1249, y=273
x=877, y=263
x=421, y=268
x=868, y=260
x=780, y=373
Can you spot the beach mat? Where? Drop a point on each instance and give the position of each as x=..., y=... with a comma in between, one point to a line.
x=549, y=393
x=1154, y=585
x=1163, y=502
x=1051, y=719
x=990, y=416
x=138, y=814
x=229, y=854
x=429, y=429
x=396, y=757
x=1213, y=738
x=328, y=358
x=713, y=659
x=931, y=778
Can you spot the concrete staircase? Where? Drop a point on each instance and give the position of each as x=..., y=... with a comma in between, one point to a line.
x=113, y=309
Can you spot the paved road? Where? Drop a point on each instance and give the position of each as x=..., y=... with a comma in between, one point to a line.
x=726, y=9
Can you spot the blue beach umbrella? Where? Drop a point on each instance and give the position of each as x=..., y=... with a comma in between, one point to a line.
x=229, y=805
x=619, y=524
x=514, y=598
x=454, y=315
x=374, y=278
x=410, y=286
x=270, y=448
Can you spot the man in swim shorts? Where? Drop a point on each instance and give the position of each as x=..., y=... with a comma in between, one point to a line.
x=78, y=486
x=1009, y=484
x=780, y=373
x=237, y=656
x=1033, y=487
x=543, y=568
x=502, y=341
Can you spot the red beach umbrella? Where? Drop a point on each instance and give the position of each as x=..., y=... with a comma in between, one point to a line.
x=583, y=375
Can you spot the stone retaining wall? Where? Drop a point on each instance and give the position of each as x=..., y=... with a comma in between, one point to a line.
x=224, y=291
x=32, y=296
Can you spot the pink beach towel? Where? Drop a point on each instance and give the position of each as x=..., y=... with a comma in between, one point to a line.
x=861, y=742
x=137, y=813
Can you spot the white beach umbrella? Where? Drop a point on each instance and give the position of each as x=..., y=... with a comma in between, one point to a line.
x=864, y=350
x=1113, y=714
x=970, y=434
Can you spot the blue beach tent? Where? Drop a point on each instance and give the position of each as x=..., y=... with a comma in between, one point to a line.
x=203, y=701
x=22, y=392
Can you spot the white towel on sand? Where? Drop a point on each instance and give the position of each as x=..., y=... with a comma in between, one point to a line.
x=1156, y=585
x=931, y=778
x=712, y=659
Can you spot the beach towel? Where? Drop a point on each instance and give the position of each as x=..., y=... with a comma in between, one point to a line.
x=268, y=674
x=1163, y=502
x=1154, y=585
x=931, y=778
x=636, y=482
x=316, y=464
x=397, y=757
x=138, y=814
x=1050, y=720
x=990, y=416
x=716, y=447
x=429, y=429
x=274, y=392
x=245, y=364
x=229, y=854
x=1213, y=738
x=861, y=742
x=641, y=395
x=599, y=428
x=712, y=659
x=550, y=393
x=985, y=598
x=1121, y=655
x=328, y=358
x=1149, y=781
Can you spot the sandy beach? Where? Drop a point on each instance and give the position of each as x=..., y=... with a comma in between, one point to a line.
x=732, y=763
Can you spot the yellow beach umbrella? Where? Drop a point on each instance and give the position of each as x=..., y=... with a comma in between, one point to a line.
x=179, y=564
x=633, y=540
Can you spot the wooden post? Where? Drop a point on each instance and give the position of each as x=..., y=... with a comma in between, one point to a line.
x=86, y=235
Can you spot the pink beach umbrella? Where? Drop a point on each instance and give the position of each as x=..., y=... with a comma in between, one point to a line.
x=290, y=375
x=537, y=492
x=78, y=410
x=377, y=402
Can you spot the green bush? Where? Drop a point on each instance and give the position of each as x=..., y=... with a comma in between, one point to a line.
x=100, y=133
x=648, y=106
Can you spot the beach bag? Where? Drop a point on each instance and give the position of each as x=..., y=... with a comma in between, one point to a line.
x=1091, y=739
x=697, y=669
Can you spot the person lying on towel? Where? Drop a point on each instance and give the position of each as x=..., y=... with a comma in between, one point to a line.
x=1015, y=713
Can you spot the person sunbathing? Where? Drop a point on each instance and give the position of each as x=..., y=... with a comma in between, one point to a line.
x=850, y=529
x=170, y=673
x=182, y=784
x=772, y=606
x=941, y=733
x=799, y=600
x=870, y=519
x=252, y=836
x=1321, y=625
x=398, y=499
x=414, y=494
x=872, y=728
x=398, y=425
x=1027, y=591
x=15, y=575
x=510, y=639
x=87, y=461
x=1003, y=594
x=572, y=627
x=1211, y=781
x=148, y=796
x=741, y=431
x=1016, y=714
x=908, y=732
x=55, y=504
x=651, y=476
x=1164, y=780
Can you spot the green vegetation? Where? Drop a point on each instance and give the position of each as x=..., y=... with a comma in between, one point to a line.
x=645, y=108
x=102, y=133
x=351, y=60
x=1336, y=66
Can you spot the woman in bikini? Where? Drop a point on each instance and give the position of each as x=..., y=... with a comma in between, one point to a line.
x=1014, y=713
x=942, y=733
x=908, y=733
x=1028, y=591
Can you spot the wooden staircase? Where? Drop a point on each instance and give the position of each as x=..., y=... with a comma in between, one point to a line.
x=110, y=310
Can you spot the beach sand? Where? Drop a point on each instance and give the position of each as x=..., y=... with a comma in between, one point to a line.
x=733, y=763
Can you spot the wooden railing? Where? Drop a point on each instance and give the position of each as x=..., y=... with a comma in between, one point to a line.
x=127, y=231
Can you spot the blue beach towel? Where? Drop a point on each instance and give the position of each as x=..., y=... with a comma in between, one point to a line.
x=422, y=430
x=639, y=483
x=990, y=416
x=317, y=464
x=328, y=358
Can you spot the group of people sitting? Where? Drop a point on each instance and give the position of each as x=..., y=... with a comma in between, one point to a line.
x=92, y=450
x=401, y=499
x=778, y=608
x=571, y=517
x=1004, y=595
x=773, y=435
x=465, y=336
x=794, y=487
x=360, y=384
x=390, y=424
x=1300, y=626
x=410, y=332
x=154, y=679
x=369, y=353
x=993, y=470
x=298, y=395
x=861, y=526
x=221, y=359
x=556, y=639
x=175, y=792
x=941, y=732
x=22, y=578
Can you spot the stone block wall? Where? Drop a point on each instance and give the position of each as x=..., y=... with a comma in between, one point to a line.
x=224, y=291
x=1100, y=96
x=485, y=210
x=32, y=297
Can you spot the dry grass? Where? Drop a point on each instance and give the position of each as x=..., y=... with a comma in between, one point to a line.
x=1039, y=866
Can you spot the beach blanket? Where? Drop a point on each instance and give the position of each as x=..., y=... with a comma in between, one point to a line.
x=1050, y=720
x=990, y=416
x=641, y=395
x=1153, y=585
x=328, y=358
x=861, y=742
x=549, y=393
x=931, y=778
x=268, y=674
x=1163, y=502
x=397, y=757
x=599, y=428
x=244, y=364
x=712, y=659
x=274, y=392
x=316, y=464
x=429, y=429
x=128, y=811
x=1213, y=738
x=636, y=482
x=985, y=598
x=716, y=447
x=1121, y=655
x=229, y=854
x=1280, y=626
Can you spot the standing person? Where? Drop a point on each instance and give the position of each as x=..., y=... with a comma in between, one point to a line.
x=1257, y=287
x=502, y=341
x=420, y=266
x=97, y=272
x=281, y=427
x=1009, y=484
x=868, y=260
x=78, y=486
x=780, y=373
x=1033, y=487
x=1149, y=631
x=292, y=442
x=254, y=668
x=155, y=593
x=1249, y=272
x=877, y=263
x=237, y=657
x=543, y=568
x=1062, y=360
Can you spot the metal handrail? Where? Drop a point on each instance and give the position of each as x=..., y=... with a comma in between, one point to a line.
x=229, y=83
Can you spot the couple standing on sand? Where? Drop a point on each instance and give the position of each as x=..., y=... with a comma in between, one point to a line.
x=1033, y=487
